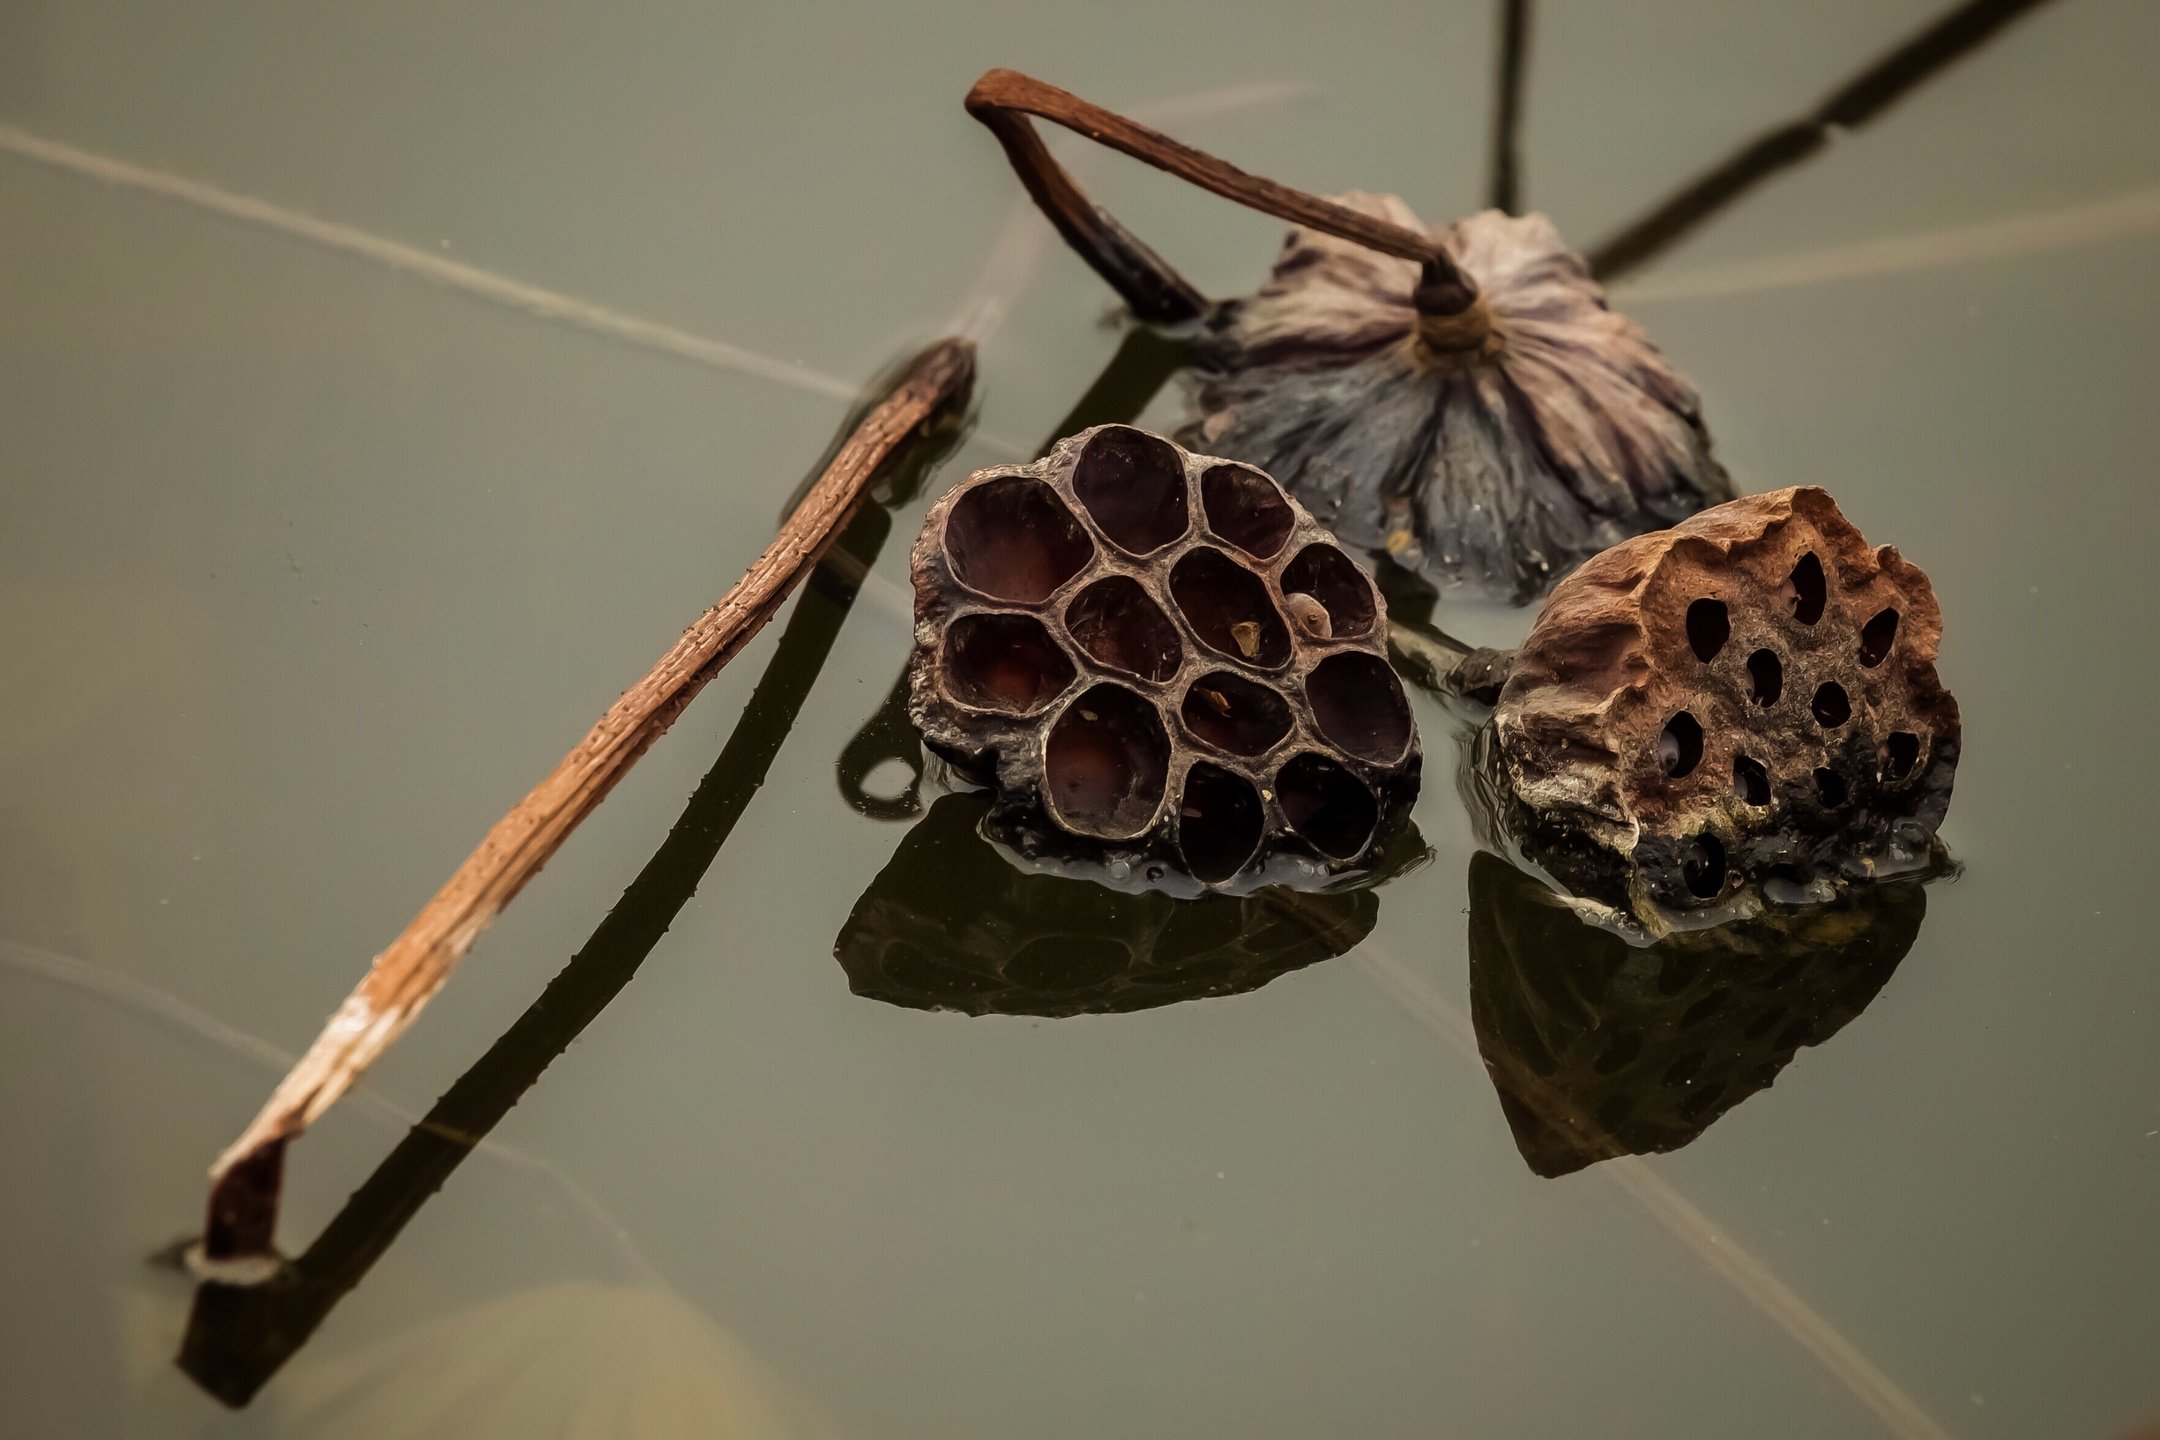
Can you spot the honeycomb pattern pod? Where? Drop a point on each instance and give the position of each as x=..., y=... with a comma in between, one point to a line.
x=1170, y=675
x=1747, y=698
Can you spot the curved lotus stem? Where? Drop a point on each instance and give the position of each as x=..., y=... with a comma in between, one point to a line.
x=1004, y=99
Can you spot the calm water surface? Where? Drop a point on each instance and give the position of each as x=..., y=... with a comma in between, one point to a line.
x=311, y=564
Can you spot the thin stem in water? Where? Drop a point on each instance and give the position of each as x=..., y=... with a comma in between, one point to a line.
x=1506, y=188
x=246, y=1181
x=1954, y=35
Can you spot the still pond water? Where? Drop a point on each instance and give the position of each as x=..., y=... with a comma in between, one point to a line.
x=313, y=558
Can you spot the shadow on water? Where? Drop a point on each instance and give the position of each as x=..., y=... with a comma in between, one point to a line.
x=1889, y=78
x=1601, y=1048
x=951, y=924
x=238, y=1337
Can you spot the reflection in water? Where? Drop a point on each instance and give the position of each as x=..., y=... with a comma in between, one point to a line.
x=951, y=924
x=1884, y=81
x=1601, y=1048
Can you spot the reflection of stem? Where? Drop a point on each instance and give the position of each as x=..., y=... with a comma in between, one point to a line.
x=1875, y=89
x=1144, y=362
x=1755, y=1281
x=246, y=1181
x=1004, y=99
x=1506, y=189
x=237, y=1337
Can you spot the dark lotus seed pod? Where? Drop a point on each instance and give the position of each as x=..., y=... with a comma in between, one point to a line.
x=1491, y=447
x=1598, y=1047
x=950, y=924
x=1748, y=697
x=1165, y=669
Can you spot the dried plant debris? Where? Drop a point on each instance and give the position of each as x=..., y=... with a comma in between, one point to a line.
x=952, y=924
x=1491, y=448
x=1747, y=700
x=1598, y=1047
x=1170, y=675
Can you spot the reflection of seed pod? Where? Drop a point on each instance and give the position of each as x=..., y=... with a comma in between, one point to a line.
x=1492, y=447
x=1601, y=1048
x=1747, y=698
x=1161, y=664
x=950, y=924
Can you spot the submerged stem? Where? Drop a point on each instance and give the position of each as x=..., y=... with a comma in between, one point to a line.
x=1505, y=191
x=245, y=1181
x=238, y=1337
x=1955, y=34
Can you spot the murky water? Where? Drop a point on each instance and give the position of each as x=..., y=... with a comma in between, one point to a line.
x=320, y=545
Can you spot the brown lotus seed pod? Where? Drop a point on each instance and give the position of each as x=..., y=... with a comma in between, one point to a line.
x=1165, y=669
x=1492, y=446
x=1750, y=696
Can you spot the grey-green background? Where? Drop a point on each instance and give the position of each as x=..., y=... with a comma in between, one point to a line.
x=309, y=567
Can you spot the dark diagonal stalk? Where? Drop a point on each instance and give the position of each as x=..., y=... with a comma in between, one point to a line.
x=246, y=1181
x=1868, y=94
x=1505, y=191
x=238, y=1337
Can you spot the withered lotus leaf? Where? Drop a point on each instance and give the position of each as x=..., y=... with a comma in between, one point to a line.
x=1492, y=448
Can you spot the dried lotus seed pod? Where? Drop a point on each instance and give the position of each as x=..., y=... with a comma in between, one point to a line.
x=1491, y=448
x=1169, y=674
x=1747, y=698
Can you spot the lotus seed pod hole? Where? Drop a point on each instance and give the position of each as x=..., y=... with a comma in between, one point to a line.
x=1004, y=662
x=1220, y=822
x=1324, y=574
x=1105, y=763
x=1708, y=628
x=1229, y=609
x=1247, y=509
x=1327, y=804
x=1120, y=628
x=1360, y=705
x=1134, y=486
x=1232, y=713
x=1012, y=539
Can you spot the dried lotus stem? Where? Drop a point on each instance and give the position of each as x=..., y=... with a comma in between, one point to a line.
x=245, y=1181
x=1004, y=99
